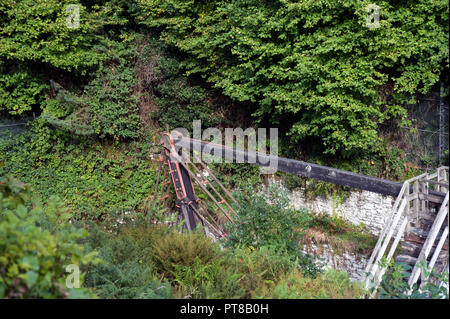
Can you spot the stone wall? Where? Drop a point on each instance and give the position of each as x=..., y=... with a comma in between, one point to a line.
x=358, y=207
x=354, y=264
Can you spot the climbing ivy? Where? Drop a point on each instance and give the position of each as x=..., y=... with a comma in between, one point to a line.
x=38, y=40
x=95, y=180
x=313, y=66
x=108, y=105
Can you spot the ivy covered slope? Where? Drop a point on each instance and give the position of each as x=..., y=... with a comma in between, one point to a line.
x=313, y=66
x=94, y=179
x=100, y=92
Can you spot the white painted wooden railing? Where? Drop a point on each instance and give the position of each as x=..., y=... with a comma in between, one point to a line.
x=405, y=211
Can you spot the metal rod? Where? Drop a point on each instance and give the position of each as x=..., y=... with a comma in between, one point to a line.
x=214, y=177
x=214, y=189
x=176, y=156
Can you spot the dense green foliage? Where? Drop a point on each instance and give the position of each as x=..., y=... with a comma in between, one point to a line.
x=102, y=90
x=125, y=271
x=139, y=259
x=108, y=106
x=167, y=93
x=37, y=242
x=95, y=180
x=139, y=83
x=35, y=43
x=142, y=260
x=394, y=284
x=267, y=221
x=314, y=64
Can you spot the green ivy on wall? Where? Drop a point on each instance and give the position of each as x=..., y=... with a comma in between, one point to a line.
x=313, y=66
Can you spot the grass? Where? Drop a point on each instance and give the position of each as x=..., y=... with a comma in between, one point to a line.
x=337, y=232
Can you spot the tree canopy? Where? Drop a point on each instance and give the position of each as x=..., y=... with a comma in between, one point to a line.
x=313, y=65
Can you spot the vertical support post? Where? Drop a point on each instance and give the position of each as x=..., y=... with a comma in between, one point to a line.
x=442, y=177
x=416, y=203
x=439, y=171
x=426, y=248
x=424, y=202
x=407, y=207
x=441, y=123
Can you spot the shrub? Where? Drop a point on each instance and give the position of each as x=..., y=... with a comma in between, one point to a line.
x=226, y=284
x=236, y=273
x=263, y=221
x=182, y=249
x=144, y=260
x=109, y=105
x=94, y=179
x=313, y=66
x=35, y=43
x=268, y=222
x=332, y=284
x=175, y=99
x=265, y=273
x=394, y=284
x=192, y=277
x=37, y=242
x=126, y=270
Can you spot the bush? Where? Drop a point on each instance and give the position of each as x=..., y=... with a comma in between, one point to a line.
x=37, y=242
x=94, y=179
x=35, y=43
x=236, y=273
x=182, y=249
x=175, y=100
x=126, y=270
x=268, y=222
x=263, y=221
x=108, y=106
x=143, y=260
x=314, y=67
x=332, y=284
x=394, y=284
x=261, y=273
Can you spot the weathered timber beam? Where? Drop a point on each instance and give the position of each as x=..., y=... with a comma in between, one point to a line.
x=299, y=168
x=444, y=184
x=433, y=196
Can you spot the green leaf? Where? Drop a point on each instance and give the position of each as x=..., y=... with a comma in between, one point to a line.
x=29, y=262
x=31, y=278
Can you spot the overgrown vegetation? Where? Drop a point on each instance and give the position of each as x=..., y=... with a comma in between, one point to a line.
x=394, y=284
x=94, y=179
x=37, y=243
x=267, y=221
x=320, y=228
x=139, y=259
x=144, y=260
x=314, y=65
x=100, y=92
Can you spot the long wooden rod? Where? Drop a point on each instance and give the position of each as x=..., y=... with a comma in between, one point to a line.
x=299, y=168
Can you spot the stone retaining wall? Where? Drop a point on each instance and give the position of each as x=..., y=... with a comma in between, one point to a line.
x=358, y=207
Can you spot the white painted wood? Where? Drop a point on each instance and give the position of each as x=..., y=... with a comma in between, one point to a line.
x=388, y=236
x=438, y=249
x=386, y=228
x=443, y=211
x=392, y=249
x=403, y=200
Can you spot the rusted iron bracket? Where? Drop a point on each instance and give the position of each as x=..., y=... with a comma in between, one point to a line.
x=183, y=174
